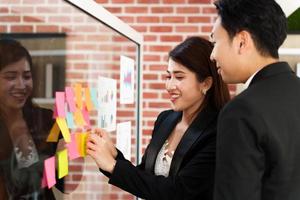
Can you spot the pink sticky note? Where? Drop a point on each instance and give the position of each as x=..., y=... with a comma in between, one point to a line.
x=72, y=147
x=86, y=116
x=54, y=112
x=44, y=179
x=70, y=98
x=60, y=103
x=49, y=167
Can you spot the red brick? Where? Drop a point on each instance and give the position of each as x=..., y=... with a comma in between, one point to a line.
x=173, y=1
x=101, y=1
x=162, y=10
x=157, y=86
x=148, y=38
x=127, y=19
x=22, y=29
x=147, y=19
x=149, y=113
x=171, y=38
x=33, y=19
x=3, y=10
x=159, y=105
x=150, y=95
x=151, y=58
x=161, y=29
x=158, y=67
x=136, y=9
x=199, y=19
x=10, y=19
x=114, y=9
x=148, y=1
x=46, y=10
x=47, y=28
x=200, y=1
x=122, y=1
x=150, y=77
x=173, y=19
x=206, y=29
x=160, y=48
x=209, y=10
x=188, y=29
x=33, y=1
x=188, y=10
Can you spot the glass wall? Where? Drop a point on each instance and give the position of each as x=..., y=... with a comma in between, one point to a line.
x=71, y=45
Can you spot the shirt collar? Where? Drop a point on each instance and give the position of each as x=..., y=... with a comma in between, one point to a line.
x=247, y=83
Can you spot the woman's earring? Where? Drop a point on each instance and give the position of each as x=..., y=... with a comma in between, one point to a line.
x=204, y=92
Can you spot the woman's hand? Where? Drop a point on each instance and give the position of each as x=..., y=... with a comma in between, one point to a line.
x=103, y=134
x=100, y=149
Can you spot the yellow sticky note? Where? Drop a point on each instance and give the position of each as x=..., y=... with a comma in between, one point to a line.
x=78, y=96
x=54, y=133
x=78, y=117
x=81, y=143
x=62, y=124
x=62, y=162
x=88, y=100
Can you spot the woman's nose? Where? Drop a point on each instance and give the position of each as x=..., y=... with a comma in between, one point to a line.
x=20, y=83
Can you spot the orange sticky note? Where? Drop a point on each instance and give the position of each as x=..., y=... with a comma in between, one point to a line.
x=54, y=133
x=62, y=163
x=88, y=100
x=62, y=124
x=86, y=117
x=78, y=96
x=78, y=117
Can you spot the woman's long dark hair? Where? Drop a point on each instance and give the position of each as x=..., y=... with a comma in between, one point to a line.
x=194, y=54
x=12, y=51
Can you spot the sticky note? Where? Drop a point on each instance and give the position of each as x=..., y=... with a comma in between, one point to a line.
x=54, y=133
x=72, y=147
x=70, y=97
x=60, y=104
x=94, y=97
x=86, y=117
x=49, y=172
x=88, y=100
x=62, y=124
x=54, y=112
x=70, y=120
x=78, y=117
x=62, y=159
x=81, y=141
x=78, y=96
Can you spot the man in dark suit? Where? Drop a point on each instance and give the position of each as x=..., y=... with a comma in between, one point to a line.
x=258, y=140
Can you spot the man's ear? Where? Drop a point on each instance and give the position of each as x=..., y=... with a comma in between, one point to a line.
x=243, y=41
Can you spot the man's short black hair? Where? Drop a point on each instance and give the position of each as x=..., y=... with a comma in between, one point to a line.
x=263, y=19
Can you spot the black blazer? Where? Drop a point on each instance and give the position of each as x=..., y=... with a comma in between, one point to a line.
x=17, y=183
x=258, y=142
x=191, y=174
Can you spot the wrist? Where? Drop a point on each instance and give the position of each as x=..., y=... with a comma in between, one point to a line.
x=112, y=166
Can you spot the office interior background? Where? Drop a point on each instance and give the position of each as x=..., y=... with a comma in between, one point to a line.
x=162, y=24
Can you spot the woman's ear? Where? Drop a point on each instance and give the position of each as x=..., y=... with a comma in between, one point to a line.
x=206, y=84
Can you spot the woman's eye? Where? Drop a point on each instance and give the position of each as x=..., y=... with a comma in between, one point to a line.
x=9, y=78
x=179, y=77
x=27, y=77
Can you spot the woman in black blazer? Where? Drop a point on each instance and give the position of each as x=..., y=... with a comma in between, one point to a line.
x=179, y=162
x=24, y=128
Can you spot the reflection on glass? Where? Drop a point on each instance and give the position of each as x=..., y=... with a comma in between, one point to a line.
x=70, y=47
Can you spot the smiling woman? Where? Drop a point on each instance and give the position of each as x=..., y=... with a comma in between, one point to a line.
x=179, y=162
x=23, y=128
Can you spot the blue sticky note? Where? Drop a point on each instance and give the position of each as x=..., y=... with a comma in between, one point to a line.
x=70, y=120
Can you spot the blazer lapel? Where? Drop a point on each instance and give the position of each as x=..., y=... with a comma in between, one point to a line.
x=193, y=134
x=163, y=132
